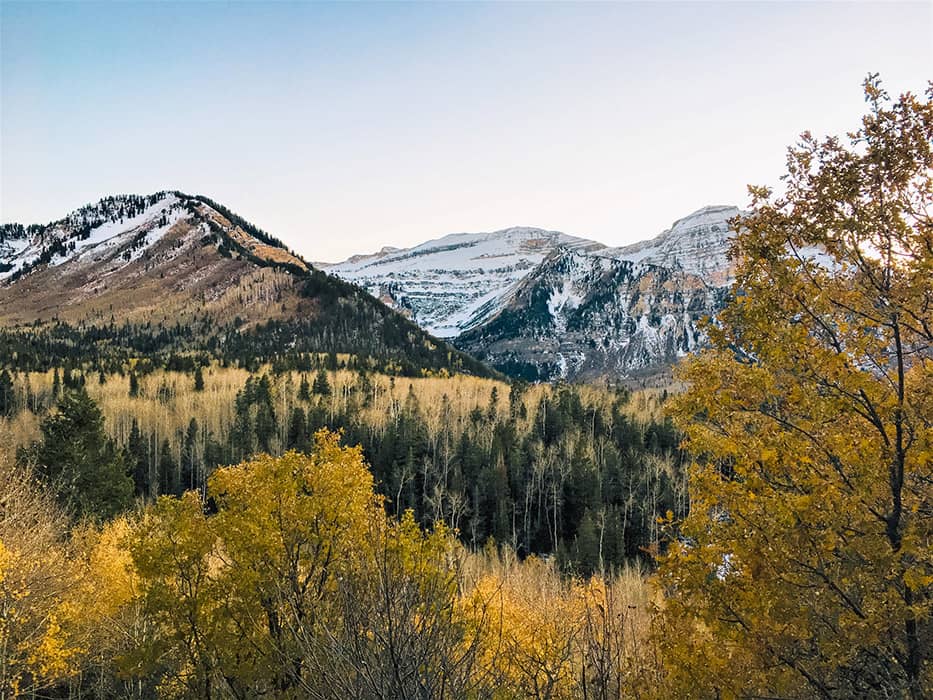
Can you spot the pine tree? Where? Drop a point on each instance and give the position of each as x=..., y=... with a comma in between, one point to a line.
x=168, y=471
x=241, y=435
x=7, y=398
x=265, y=427
x=138, y=456
x=321, y=383
x=297, y=430
x=304, y=389
x=56, y=385
x=190, y=463
x=81, y=462
x=198, y=379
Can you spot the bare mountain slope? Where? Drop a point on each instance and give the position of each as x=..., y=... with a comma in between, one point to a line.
x=176, y=272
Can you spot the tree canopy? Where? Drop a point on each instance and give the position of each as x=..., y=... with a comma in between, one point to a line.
x=806, y=556
x=80, y=461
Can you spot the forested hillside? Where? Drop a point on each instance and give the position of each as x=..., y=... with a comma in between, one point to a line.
x=171, y=274
x=582, y=472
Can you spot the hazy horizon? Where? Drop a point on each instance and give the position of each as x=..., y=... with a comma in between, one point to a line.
x=343, y=128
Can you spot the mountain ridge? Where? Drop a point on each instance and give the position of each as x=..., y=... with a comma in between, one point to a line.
x=537, y=320
x=536, y=303
x=171, y=272
x=451, y=283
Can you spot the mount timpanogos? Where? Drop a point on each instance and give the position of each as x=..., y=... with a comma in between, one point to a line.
x=544, y=305
x=528, y=302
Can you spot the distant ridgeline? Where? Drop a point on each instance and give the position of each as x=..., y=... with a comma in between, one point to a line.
x=173, y=274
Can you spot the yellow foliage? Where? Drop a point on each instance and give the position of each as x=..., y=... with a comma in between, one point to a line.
x=804, y=566
x=533, y=625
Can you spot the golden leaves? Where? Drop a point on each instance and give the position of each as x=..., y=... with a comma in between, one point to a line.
x=807, y=523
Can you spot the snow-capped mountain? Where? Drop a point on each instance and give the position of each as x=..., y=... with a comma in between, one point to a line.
x=579, y=315
x=554, y=305
x=119, y=230
x=697, y=244
x=456, y=282
x=149, y=255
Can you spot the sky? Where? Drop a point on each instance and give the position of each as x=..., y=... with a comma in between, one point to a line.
x=342, y=128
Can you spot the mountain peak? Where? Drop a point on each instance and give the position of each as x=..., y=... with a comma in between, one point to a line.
x=697, y=243
x=710, y=214
x=453, y=282
x=124, y=227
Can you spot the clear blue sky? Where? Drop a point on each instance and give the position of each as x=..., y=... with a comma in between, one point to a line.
x=344, y=127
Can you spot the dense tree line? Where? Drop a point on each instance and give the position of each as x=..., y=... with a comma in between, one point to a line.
x=569, y=473
x=378, y=338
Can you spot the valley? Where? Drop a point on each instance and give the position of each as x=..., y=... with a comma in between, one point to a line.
x=493, y=466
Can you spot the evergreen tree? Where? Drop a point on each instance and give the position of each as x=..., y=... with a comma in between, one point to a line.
x=241, y=436
x=297, y=430
x=7, y=405
x=321, y=383
x=56, y=385
x=189, y=458
x=198, y=379
x=265, y=427
x=81, y=462
x=168, y=471
x=304, y=389
x=134, y=385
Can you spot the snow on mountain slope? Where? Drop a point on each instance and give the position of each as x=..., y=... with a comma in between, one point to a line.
x=543, y=304
x=580, y=315
x=121, y=229
x=141, y=257
x=456, y=282
x=696, y=244
x=128, y=222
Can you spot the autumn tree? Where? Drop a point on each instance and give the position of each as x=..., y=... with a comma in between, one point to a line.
x=34, y=573
x=171, y=551
x=805, y=568
x=402, y=632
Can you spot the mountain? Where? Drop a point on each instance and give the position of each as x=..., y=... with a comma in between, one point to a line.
x=558, y=306
x=696, y=244
x=583, y=316
x=174, y=273
x=457, y=282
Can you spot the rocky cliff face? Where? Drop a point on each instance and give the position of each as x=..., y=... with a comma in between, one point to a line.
x=456, y=282
x=581, y=316
x=557, y=306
